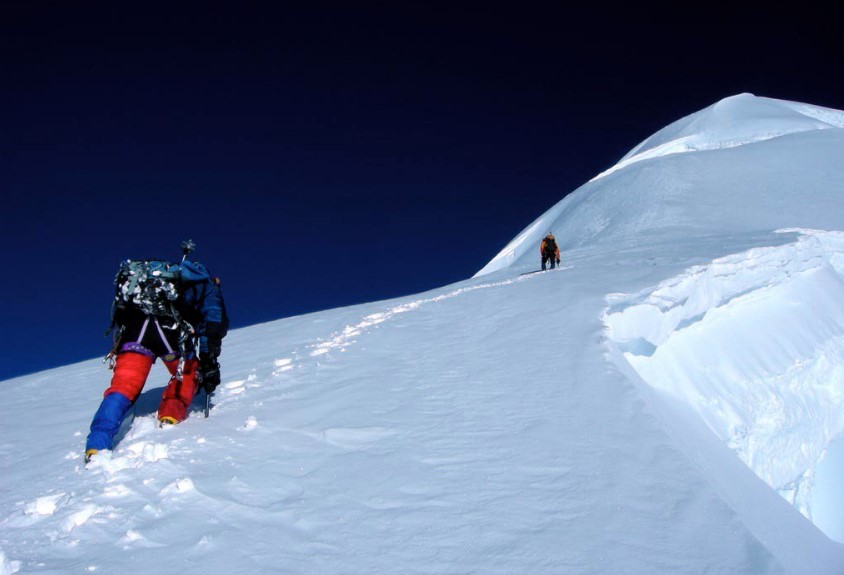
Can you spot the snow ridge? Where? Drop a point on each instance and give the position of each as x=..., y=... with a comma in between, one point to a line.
x=754, y=342
x=732, y=122
x=745, y=162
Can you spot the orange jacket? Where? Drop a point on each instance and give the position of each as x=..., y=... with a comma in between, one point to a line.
x=542, y=245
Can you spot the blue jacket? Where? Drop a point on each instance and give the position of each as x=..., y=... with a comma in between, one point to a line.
x=201, y=303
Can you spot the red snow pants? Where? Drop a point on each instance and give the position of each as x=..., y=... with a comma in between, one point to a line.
x=130, y=374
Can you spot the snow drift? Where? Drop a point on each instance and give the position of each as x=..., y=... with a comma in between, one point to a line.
x=754, y=342
x=661, y=405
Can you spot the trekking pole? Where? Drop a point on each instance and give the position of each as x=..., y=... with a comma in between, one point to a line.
x=207, y=404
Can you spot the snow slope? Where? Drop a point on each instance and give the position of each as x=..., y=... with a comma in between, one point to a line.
x=642, y=411
x=748, y=164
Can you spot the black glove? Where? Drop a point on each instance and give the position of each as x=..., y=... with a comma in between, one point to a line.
x=215, y=345
x=209, y=371
x=558, y=261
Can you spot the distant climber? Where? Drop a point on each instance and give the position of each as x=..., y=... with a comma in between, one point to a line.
x=549, y=251
x=167, y=310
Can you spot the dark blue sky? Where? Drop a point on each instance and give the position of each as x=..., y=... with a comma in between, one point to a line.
x=328, y=156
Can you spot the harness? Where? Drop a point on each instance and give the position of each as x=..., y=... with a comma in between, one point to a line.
x=188, y=342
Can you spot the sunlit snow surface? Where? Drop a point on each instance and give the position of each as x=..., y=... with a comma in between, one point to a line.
x=755, y=343
x=654, y=407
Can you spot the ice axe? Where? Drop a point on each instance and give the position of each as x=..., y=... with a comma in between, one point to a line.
x=187, y=247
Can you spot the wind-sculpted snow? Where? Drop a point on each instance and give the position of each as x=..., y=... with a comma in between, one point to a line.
x=754, y=342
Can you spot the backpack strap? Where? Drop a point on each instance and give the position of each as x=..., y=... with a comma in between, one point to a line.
x=143, y=330
x=163, y=337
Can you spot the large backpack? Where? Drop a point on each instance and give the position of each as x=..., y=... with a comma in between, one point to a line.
x=550, y=246
x=151, y=286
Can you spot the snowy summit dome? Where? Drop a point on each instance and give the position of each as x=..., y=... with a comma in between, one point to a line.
x=734, y=121
x=701, y=174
